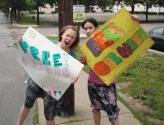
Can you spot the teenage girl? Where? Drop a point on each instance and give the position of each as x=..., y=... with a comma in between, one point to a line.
x=102, y=97
x=68, y=40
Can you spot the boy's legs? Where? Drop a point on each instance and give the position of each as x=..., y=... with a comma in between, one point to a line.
x=23, y=114
x=97, y=117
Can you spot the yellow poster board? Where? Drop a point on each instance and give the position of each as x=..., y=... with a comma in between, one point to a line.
x=111, y=49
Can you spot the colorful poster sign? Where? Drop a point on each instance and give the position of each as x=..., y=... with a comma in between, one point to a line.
x=115, y=46
x=78, y=13
x=47, y=64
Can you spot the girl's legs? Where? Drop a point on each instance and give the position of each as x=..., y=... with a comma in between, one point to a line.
x=115, y=123
x=22, y=115
x=97, y=117
x=49, y=109
x=50, y=122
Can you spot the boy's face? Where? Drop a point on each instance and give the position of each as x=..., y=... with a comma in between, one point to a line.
x=89, y=28
x=68, y=37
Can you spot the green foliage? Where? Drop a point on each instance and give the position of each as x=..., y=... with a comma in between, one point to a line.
x=147, y=77
x=102, y=3
x=105, y=3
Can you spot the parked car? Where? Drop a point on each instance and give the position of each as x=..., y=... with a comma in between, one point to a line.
x=157, y=34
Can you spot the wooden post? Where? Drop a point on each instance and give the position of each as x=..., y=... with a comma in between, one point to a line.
x=65, y=13
x=66, y=18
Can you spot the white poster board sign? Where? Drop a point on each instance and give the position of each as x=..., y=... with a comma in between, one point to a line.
x=47, y=64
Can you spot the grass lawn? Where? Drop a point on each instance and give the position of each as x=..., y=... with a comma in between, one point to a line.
x=147, y=77
x=27, y=19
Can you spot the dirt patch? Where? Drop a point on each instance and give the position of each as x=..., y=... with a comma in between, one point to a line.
x=123, y=85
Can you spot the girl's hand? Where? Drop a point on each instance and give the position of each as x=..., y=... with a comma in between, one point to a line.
x=16, y=44
x=82, y=59
x=75, y=79
x=19, y=40
x=135, y=17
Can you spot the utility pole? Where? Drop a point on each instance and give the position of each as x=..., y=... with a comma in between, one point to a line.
x=66, y=18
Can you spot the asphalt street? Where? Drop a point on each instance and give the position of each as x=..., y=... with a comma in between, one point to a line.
x=12, y=76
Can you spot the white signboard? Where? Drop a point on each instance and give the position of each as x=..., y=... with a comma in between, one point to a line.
x=78, y=13
x=47, y=64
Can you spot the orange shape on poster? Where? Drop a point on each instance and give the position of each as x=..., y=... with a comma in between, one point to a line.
x=101, y=68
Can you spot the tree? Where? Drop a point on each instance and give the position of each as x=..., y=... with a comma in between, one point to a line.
x=89, y=3
x=131, y=3
x=148, y=4
x=105, y=3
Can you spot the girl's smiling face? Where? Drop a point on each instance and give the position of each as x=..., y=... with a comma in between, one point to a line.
x=68, y=38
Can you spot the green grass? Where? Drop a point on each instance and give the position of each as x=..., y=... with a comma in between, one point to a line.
x=147, y=77
x=27, y=19
x=52, y=37
x=35, y=119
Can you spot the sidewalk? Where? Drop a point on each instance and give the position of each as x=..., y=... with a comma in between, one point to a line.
x=83, y=114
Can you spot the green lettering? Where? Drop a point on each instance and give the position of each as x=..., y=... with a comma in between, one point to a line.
x=132, y=44
x=34, y=51
x=115, y=58
x=142, y=34
x=45, y=56
x=112, y=36
x=56, y=61
x=24, y=46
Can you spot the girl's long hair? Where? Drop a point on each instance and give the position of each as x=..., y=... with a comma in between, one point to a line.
x=74, y=28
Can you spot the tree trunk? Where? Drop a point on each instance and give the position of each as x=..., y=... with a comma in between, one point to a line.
x=18, y=15
x=132, y=8
x=37, y=14
x=147, y=7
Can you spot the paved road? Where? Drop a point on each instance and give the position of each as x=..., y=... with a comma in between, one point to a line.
x=12, y=76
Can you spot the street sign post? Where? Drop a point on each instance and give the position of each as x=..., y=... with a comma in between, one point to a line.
x=78, y=13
